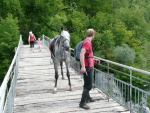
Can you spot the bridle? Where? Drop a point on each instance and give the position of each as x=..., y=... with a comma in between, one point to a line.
x=63, y=41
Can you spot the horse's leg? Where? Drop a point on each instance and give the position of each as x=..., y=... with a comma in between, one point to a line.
x=61, y=65
x=51, y=60
x=68, y=75
x=56, y=76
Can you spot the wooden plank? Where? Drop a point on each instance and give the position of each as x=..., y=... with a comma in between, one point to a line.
x=35, y=85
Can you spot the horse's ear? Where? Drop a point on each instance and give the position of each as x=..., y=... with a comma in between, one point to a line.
x=68, y=29
x=62, y=28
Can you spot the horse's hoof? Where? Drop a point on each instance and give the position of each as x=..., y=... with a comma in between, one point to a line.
x=70, y=89
x=55, y=91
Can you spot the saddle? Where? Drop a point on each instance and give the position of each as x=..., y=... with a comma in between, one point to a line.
x=51, y=46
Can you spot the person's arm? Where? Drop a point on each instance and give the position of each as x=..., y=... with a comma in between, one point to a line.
x=34, y=37
x=29, y=39
x=83, y=51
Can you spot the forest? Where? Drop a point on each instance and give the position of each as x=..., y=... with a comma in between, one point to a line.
x=122, y=27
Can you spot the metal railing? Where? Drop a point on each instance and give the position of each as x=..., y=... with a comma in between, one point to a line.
x=116, y=81
x=45, y=40
x=7, y=89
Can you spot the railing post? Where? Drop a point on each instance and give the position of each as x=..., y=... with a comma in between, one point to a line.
x=43, y=38
x=108, y=79
x=130, y=90
x=1, y=109
x=21, y=40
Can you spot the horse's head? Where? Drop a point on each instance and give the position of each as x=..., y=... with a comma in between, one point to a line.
x=65, y=38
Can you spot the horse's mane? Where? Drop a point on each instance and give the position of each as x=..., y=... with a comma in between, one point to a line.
x=58, y=40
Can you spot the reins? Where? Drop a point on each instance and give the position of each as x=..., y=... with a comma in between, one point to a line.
x=63, y=41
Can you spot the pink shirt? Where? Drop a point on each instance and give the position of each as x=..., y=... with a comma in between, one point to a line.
x=39, y=43
x=89, y=62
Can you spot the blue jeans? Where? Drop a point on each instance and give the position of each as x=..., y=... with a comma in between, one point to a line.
x=88, y=78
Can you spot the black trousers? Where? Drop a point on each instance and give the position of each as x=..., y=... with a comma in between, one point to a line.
x=88, y=78
x=31, y=44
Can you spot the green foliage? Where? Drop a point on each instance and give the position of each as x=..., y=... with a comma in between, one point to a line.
x=124, y=54
x=78, y=22
x=148, y=103
x=9, y=36
x=57, y=21
x=103, y=44
x=122, y=35
x=101, y=21
x=11, y=6
x=146, y=53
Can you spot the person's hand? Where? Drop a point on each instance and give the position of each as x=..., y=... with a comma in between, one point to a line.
x=83, y=70
x=96, y=61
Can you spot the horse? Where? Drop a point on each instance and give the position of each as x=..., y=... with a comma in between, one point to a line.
x=59, y=48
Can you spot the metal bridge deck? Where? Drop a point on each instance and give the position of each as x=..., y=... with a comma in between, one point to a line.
x=35, y=85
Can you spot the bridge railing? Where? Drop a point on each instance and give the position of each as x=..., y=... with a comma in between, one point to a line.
x=122, y=83
x=116, y=81
x=7, y=89
x=45, y=40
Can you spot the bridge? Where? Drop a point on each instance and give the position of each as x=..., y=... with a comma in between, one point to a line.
x=29, y=82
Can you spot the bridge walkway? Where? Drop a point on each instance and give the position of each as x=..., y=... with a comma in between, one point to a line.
x=35, y=85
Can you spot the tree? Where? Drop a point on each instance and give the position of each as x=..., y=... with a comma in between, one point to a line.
x=124, y=54
x=78, y=24
x=9, y=36
x=39, y=16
